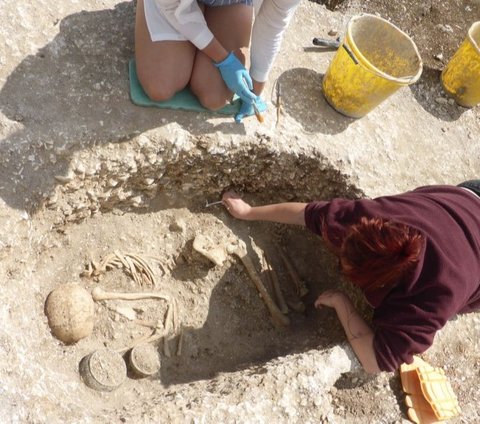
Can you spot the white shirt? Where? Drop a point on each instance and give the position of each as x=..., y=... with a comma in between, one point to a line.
x=272, y=18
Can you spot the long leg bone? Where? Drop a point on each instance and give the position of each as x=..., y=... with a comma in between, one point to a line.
x=300, y=288
x=241, y=252
x=294, y=302
x=168, y=329
x=171, y=326
x=266, y=270
x=276, y=286
x=99, y=294
x=180, y=344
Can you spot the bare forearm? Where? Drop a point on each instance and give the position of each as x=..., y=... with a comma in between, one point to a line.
x=285, y=213
x=358, y=333
x=215, y=51
x=258, y=87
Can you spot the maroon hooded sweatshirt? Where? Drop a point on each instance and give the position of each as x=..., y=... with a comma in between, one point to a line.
x=446, y=280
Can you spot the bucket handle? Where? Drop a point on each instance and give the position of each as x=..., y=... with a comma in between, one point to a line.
x=350, y=53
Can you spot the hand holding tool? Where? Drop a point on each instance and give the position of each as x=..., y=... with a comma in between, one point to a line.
x=256, y=108
x=236, y=77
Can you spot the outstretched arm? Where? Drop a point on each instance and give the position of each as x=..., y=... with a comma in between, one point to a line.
x=285, y=213
x=358, y=332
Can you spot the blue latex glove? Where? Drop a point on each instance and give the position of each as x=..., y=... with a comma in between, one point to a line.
x=236, y=77
x=247, y=109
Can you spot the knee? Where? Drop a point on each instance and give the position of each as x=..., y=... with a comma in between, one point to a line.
x=157, y=89
x=211, y=100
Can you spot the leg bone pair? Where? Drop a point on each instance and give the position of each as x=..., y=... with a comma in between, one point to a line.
x=272, y=275
x=240, y=251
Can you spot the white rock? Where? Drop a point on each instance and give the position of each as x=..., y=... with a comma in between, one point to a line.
x=64, y=178
x=80, y=168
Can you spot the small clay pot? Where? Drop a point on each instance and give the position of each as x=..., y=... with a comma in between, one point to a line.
x=103, y=370
x=144, y=360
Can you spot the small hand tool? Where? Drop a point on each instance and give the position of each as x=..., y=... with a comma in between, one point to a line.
x=323, y=42
x=279, y=101
x=213, y=203
x=334, y=44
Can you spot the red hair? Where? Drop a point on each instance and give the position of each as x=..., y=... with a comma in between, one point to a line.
x=377, y=253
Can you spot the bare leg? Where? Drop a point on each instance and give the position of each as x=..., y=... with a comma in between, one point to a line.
x=232, y=26
x=163, y=67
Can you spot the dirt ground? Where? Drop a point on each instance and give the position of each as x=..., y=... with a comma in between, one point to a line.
x=227, y=332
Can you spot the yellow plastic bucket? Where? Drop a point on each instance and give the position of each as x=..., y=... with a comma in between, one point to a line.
x=461, y=77
x=375, y=59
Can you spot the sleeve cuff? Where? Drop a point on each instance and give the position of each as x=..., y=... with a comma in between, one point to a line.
x=203, y=39
x=259, y=75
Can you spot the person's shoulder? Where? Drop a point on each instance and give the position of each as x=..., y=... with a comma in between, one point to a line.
x=440, y=188
x=430, y=190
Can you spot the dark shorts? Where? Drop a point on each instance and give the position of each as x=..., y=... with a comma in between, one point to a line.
x=217, y=3
x=473, y=185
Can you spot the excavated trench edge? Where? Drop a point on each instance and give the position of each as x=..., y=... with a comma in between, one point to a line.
x=132, y=175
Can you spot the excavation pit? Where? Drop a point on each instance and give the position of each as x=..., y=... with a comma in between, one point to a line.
x=226, y=326
x=127, y=200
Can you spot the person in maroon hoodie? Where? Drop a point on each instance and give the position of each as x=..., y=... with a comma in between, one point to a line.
x=415, y=256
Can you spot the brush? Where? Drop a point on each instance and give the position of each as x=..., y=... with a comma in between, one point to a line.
x=257, y=113
x=255, y=108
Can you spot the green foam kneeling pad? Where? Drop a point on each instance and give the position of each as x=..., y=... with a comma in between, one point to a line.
x=184, y=99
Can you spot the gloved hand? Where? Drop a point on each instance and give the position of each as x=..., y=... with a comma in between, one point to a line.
x=236, y=77
x=246, y=109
